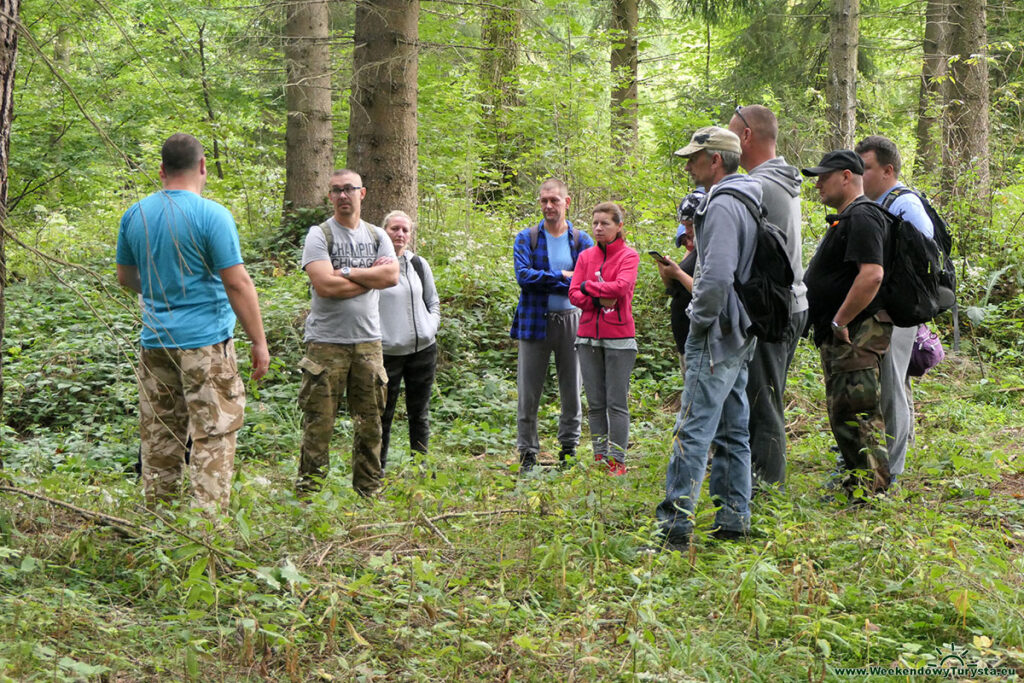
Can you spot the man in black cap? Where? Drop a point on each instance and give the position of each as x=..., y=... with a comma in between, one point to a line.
x=850, y=327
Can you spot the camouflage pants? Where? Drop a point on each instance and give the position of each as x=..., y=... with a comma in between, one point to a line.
x=330, y=371
x=197, y=393
x=854, y=410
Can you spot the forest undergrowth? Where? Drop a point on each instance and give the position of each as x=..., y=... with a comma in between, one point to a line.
x=463, y=570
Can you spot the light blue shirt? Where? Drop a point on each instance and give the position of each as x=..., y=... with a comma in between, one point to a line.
x=559, y=259
x=908, y=207
x=180, y=242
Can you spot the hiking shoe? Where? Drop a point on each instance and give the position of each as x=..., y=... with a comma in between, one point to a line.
x=616, y=468
x=721, y=534
x=527, y=461
x=600, y=457
x=666, y=545
x=566, y=457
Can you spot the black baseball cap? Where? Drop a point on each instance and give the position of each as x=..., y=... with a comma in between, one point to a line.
x=838, y=160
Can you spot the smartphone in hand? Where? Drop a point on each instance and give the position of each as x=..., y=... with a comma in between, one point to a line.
x=658, y=257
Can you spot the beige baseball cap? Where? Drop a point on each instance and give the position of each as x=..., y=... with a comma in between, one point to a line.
x=713, y=139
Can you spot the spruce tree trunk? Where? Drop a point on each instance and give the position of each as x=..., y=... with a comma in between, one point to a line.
x=382, y=144
x=933, y=68
x=841, y=88
x=624, y=61
x=965, y=169
x=501, y=98
x=309, y=142
x=8, y=53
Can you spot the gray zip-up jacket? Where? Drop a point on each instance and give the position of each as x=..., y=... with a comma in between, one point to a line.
x=726, y=236
x=408, y=319
x=780, y=196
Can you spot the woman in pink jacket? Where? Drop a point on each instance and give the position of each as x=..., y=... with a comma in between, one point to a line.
x=602, y=287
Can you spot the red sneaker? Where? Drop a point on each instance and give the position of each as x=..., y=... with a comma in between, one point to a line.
x=616, y=468
x=599, y=457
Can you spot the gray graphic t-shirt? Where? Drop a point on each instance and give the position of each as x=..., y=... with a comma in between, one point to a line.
x=345, y=321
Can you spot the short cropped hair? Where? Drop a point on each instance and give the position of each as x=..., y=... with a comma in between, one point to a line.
x=612, y=209
x=346, y=171
x=181, y=152
x=885, y=151
x=557, y=184
x=398, y=213
x=761, y=120
x=730, y=161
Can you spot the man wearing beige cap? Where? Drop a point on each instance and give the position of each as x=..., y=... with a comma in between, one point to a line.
x=714, y=405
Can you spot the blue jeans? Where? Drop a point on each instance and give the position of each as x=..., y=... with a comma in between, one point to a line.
x=714, y=410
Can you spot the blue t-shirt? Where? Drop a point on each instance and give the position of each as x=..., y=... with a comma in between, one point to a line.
x=180, y=242
x=559, y=258
x=908, y=207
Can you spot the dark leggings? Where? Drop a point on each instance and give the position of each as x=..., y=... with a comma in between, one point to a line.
x=418, y=371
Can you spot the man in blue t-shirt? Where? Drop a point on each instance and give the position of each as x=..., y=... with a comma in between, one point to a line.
x=181, y=253
x=881, y=180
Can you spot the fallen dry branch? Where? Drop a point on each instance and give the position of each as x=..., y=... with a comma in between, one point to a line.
x=122, y=526
x=1007, y=390
x=441, y=518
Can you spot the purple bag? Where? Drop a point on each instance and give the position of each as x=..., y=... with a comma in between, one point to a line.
x=927, y=352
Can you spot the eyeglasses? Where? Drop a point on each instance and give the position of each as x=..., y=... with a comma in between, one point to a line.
x=739, y=113
x=348, y=189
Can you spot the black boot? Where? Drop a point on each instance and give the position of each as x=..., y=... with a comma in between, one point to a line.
x=566, y=456
x=527, y=461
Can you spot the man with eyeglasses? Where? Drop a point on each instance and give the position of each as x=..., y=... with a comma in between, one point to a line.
x=348, y=261
x=758, y=129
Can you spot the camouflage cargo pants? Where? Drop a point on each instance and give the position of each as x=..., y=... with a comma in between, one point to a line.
x=185, y=392
x=330, y=371
x=854, y=410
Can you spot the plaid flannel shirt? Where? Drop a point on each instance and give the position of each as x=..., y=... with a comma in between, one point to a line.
x=537, y=280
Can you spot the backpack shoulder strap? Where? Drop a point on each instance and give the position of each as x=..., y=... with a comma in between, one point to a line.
x=755, y=209
x=325, y=227
x=534, y=236
x=896, y=193
x=417, y=265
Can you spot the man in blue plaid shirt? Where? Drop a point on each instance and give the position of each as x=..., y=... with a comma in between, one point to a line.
x=545, y=322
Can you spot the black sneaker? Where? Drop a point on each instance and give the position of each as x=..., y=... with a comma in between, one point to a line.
x=527, y=461
x=566, y=456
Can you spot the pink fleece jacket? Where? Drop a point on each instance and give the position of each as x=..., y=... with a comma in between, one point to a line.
x=605, y=272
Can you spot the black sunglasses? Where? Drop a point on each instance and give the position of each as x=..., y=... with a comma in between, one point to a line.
x=739, y=113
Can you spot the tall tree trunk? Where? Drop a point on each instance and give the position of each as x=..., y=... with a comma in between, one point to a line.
x=382, y=144
x=841, y=88
x=309, y=140
x=501, y=98
x=208, y=100
x=8, y=53
x=933, y=68
x=965, y=169
x=625, y=21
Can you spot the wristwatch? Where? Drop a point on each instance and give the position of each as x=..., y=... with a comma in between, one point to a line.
x=346, y=270
x=836, y=327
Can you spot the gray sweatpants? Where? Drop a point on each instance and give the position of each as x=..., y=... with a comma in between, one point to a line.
x=897, y=401
x=606, y=381
x=533, y=370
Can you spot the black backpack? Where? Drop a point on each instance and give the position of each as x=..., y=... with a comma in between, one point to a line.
x=767, y=293
x=913, y=265
x=947, y=273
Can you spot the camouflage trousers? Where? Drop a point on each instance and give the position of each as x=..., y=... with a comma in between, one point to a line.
x=197, y=393
x=330, y=371
x=854, y=409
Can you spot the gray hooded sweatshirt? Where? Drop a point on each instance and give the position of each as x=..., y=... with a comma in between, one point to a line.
x=780, y=196
x=725, y=237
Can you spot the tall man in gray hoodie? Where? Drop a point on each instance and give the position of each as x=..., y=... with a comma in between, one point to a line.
x=757, y=129
x=714, y=403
